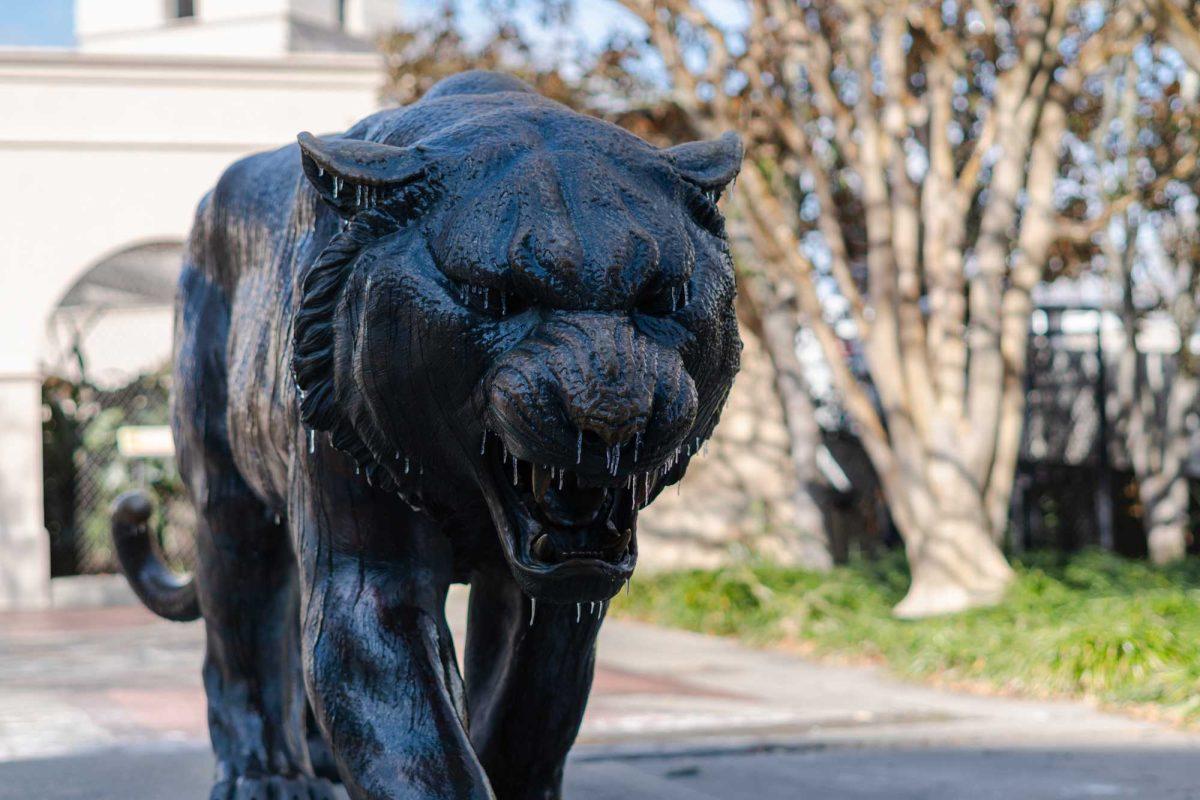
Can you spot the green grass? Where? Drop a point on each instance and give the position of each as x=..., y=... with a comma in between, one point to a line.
x=1090, y=624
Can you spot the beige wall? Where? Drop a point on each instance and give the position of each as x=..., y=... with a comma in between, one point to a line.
x=100, y=153
x=241, y=28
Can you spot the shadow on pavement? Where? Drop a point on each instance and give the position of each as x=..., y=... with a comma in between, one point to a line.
x=768, y=773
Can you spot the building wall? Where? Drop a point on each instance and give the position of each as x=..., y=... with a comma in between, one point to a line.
x=98, y=153
x=246, y=28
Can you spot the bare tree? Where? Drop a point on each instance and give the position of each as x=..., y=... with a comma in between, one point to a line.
x=1142, y=162
x=1175, y=22
x=1156, y=395
x=907, y=154
x=773, y=317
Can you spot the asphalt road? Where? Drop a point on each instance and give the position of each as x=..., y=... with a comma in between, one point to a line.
x=803, y=772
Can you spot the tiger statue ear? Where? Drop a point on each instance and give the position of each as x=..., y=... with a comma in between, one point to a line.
x=351, y=175
x=710, y=164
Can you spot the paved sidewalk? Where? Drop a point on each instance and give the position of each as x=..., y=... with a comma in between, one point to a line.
x=107, y=703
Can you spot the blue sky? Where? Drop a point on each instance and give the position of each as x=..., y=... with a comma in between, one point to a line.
x=45, y=23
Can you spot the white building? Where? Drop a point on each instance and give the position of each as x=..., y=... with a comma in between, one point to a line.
x=104, y=152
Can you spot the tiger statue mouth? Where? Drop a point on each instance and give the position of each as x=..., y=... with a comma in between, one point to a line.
x=570, y=532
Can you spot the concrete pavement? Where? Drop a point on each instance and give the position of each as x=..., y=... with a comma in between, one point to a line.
x=107, y=703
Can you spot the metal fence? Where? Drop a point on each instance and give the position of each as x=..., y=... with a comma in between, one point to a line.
x=1074, y=486
x=97, y=443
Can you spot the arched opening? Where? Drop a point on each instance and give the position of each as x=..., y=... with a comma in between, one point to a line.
x=115, y=320
x=105, y=404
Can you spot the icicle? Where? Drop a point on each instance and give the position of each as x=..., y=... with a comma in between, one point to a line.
x=503, y=303
x=579, y=448
x=397, y=456
x=320, y=171
x=685, y=294
x=672, y=299
x=483, y=445
x=312, y=441
x=705, y=449
x=369, y=478
x=357, y=195
x=532, y=610
x=277, y=519
x=591, y=608
x=486, y=295
x=628, y=583
x=561, y=473
x=407, y=465
x=336, y=182
x=637, y=445
x=514, y=472
x=357, y=469
x=578, y=611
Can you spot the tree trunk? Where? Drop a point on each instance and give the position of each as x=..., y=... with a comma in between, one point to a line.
x=955, y=567
x=808, y=543
x=955, y=561
x=1164, y=492
x=1165, y=498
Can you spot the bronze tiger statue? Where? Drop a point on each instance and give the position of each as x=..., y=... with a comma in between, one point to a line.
x=464, y=341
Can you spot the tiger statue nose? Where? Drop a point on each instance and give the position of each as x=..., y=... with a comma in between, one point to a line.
x=592, y=373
